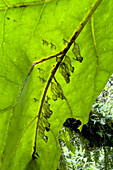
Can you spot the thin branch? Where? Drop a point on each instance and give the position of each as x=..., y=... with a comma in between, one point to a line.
x=47, y=58
x=24, y=4
x=42, y=101
x=74, y=37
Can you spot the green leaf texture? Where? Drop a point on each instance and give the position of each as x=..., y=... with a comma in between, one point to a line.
x=30, y=31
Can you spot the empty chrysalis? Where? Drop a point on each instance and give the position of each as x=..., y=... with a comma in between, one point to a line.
x=44, y=125
x=76, y=52
x=67, y=61
x=46, y=110
x=64, y=70
x=65, y=67
x=57, y=91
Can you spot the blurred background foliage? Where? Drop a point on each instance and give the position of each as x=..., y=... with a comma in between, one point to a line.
x=92, y=147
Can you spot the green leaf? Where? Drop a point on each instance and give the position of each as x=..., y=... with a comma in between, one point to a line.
x=31, y=31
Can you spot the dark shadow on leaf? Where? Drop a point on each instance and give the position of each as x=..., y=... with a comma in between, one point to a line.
x=32, y=164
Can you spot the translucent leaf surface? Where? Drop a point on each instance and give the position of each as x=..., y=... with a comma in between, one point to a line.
x=29, y=32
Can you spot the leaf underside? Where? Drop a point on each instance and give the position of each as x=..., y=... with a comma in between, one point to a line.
x=29, y=33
